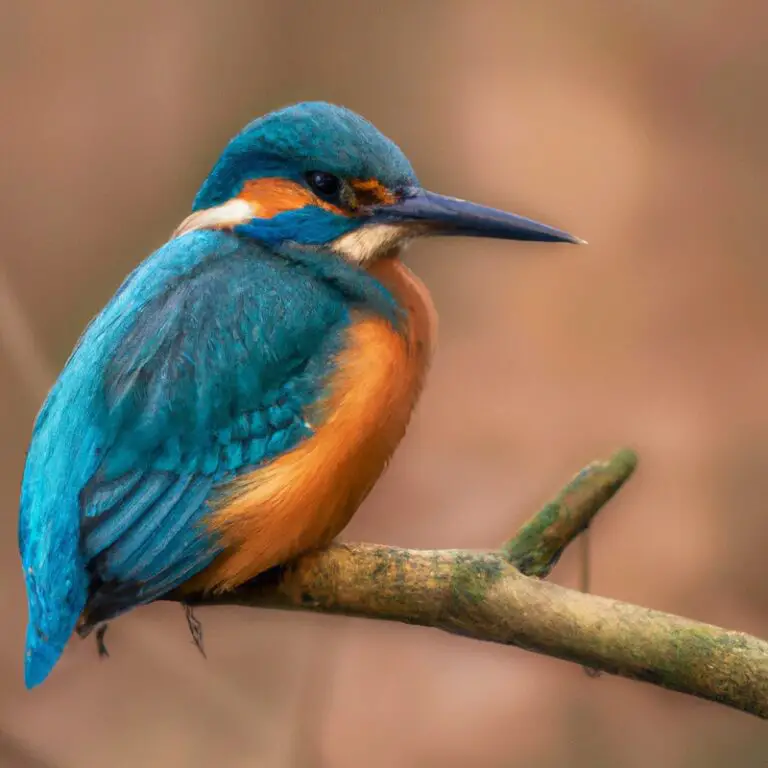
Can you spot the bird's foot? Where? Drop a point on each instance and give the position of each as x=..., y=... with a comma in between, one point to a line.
x=101, y=646
x=195, y=628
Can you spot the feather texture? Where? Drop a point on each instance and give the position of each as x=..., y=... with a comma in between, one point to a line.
x=199, y=369
x=244, y=377
x=307, y=495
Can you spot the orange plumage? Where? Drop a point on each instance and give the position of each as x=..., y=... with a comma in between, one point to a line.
x=304, y=498
x=269, y=196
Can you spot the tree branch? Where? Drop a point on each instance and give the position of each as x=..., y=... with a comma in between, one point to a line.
x=499, y=597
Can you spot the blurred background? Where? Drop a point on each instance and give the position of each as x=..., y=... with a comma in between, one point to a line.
x=639, y=126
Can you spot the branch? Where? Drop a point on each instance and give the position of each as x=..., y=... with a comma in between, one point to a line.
x=499, y=597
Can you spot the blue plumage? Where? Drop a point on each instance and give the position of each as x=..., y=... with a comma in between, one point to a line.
x=203, y=364
x=198, y=369
x=301, y=138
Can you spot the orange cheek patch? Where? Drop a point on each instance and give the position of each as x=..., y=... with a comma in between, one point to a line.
x=270, y=196
x=372, y=192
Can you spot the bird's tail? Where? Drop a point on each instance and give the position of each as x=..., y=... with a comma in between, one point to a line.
x=40, y=657
x=50, y=627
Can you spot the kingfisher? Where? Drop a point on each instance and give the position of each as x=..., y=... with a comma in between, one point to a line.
x=238, y=397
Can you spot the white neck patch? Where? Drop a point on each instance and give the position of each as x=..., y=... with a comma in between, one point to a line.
x=371, y=241
x=224, y=216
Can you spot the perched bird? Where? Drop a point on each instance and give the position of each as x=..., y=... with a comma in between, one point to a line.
x=243, y=390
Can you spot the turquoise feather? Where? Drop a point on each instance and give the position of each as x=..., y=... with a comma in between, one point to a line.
x=197, y=370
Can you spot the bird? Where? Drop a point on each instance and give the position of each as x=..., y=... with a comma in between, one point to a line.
x=240, y=394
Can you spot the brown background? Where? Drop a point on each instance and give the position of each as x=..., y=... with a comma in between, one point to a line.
x=640, y=126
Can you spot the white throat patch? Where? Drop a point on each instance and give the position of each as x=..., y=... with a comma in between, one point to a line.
x=368, y=242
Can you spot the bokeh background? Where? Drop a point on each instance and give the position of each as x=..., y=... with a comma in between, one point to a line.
x=640, y=126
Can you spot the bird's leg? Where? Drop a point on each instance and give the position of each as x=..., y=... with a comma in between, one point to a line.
x=195, y=628
x=101, y=646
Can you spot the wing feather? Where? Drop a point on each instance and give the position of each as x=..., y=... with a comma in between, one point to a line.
x=199, y=368
x=211, y=380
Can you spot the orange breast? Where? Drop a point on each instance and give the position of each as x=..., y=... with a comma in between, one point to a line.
x=303, y=499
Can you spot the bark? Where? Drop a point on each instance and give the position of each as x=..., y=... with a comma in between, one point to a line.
x=499, y=596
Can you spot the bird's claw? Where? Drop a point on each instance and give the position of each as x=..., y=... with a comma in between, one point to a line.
x=101, y=646
x=195, y=628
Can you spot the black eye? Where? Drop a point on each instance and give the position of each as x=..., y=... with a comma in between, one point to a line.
x=324, y=184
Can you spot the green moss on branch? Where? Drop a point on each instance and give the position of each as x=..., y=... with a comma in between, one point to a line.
x=483, y=596
x=538, y=545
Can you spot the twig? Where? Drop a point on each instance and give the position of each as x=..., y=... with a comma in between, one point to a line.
x=484, y=596
x=541, y=541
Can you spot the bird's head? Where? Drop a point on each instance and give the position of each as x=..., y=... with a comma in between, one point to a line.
x=321, y=176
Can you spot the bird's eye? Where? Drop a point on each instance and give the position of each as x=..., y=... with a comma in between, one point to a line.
x=323, y=184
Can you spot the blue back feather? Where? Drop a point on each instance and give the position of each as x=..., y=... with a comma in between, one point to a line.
x=198, y=369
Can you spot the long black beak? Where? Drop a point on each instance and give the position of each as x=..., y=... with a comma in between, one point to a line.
x=440, y=215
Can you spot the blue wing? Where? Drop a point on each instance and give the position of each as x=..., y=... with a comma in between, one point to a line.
x=198, y=369
x=211, y=379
